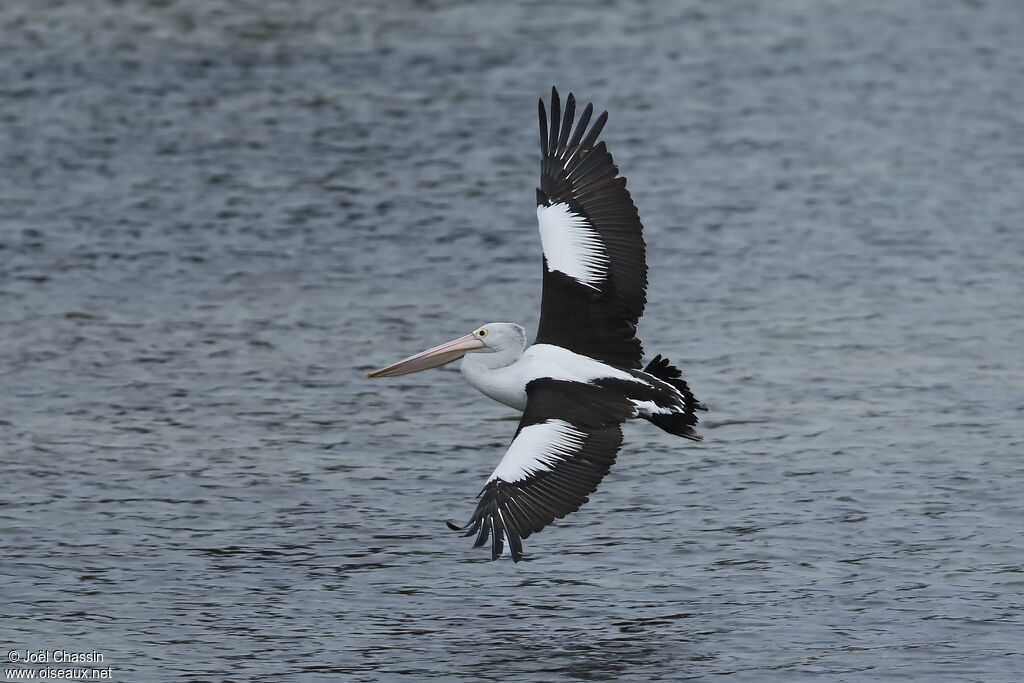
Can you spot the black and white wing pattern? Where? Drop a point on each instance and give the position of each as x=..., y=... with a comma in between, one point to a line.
x=566, y=443
x=595, y=268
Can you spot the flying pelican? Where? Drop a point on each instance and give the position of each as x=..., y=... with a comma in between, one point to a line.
x=581, y=378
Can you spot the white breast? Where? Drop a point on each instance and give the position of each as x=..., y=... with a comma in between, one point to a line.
x=505, y=384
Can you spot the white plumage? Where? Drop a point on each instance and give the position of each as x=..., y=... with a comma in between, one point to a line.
x=538, y=447
x=507, y=383
x=571, y=245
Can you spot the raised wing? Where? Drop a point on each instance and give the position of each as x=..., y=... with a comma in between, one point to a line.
x=565, y=444
x=595, y=269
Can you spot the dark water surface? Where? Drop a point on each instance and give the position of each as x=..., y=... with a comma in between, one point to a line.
x=216, y=217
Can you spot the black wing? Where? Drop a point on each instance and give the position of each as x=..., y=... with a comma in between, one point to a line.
x=595, y=269
x=566, y=442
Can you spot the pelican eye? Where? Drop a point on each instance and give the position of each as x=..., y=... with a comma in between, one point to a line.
x=481, y=333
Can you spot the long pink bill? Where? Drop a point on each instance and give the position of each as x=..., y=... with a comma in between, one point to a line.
x=431, y=358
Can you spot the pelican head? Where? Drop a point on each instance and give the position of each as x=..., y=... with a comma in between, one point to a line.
x=501, y=338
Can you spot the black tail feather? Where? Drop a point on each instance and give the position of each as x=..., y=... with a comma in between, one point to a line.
x=680, y=424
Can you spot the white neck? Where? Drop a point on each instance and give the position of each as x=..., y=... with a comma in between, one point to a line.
x=493, y=375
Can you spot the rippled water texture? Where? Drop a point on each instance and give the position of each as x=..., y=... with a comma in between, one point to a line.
x=215, y=218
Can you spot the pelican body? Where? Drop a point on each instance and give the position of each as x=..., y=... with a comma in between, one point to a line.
x=582, y=377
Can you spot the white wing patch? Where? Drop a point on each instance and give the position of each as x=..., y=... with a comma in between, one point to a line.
x=648, y=408
x=538, y=447
x=571, y=246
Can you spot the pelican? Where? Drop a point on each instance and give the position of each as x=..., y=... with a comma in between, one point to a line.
x=581, y=379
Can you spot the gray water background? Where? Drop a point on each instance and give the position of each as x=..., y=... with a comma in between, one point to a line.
x=216, y=217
